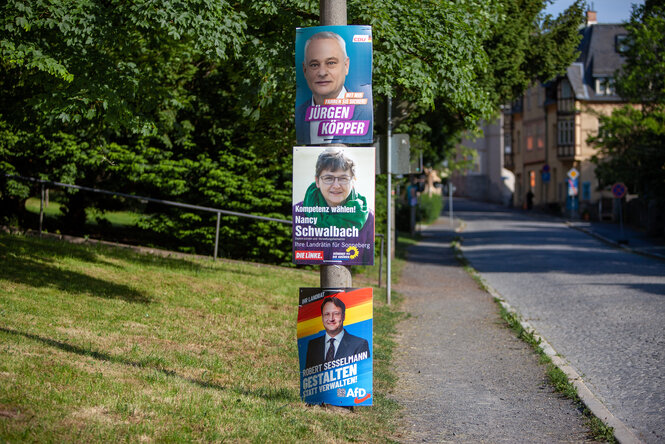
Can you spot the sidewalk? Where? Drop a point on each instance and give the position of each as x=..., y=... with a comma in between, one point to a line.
x=627, y=238
x=463, y=375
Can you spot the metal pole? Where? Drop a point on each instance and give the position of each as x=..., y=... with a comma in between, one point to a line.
x=381, y=262
x=621, y=217
x=450, y=203
x=333, y=13
x=390, y=197
x=219, y=215
x=41, y=209
x=622, y=234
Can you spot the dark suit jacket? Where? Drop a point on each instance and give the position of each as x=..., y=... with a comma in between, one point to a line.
x=349, y=346
x=360, y=112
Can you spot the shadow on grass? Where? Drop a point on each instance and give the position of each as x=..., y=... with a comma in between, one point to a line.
x=268, y=393
x=36, y=265
x=42, y=248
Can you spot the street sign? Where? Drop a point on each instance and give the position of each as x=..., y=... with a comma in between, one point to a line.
x=545, y=175
x=573, y=187
x=573, y=173
x=619, y=190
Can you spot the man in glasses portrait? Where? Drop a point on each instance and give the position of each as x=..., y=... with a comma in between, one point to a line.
x=336, y=343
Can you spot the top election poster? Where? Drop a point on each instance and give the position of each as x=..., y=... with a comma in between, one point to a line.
x=333, y=205
x=335, y=346
x=334, y=85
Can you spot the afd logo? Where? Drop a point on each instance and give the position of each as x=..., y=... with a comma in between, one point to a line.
x=360, y=395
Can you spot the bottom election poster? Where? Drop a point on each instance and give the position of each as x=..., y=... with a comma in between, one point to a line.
x=335, y=346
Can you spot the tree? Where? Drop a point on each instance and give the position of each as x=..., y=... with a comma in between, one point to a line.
x=514, y=46
x=631, y=141
x=193, y=100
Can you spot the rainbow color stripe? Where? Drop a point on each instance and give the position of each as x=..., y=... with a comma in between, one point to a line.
x=358, y=308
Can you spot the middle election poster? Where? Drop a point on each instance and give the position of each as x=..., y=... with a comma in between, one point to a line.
x=333, y=205
x=335, y=346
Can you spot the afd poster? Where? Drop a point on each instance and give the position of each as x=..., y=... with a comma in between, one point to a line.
x=335, y=346
x=334, y=85
x=333, y=205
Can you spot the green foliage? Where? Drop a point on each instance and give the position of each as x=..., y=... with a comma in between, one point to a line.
x=429, y=207
x=93, y=62
x=514, y=46
x=642, y=77
x=630, y=141
x=631, y=151
x=526, y=46
x=193, y=100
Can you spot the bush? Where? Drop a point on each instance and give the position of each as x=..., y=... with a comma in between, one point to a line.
x=429, y=207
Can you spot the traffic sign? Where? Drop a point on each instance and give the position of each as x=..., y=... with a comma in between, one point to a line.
x=573, y=173
x=573, y=187
x=619, y=190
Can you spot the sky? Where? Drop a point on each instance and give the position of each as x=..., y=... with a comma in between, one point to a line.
x=608, y=11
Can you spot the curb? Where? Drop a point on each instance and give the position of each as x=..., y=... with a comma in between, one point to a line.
x=621, y=432
x=614, y=243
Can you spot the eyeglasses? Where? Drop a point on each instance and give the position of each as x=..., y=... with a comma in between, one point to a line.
x=333, y=314
x=329, y=180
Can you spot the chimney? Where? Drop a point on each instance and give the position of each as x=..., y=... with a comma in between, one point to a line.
x=591, y=18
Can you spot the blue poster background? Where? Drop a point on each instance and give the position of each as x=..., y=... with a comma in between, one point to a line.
x=359, y=79
x=341, y=383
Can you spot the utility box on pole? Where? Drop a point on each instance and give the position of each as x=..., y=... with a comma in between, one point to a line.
x=400, y=154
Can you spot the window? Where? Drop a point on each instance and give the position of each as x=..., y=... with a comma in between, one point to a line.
x=620, y=43
x=566, y=98
x=605, y=86
x=529, y=138
x=565, y=133
x=566, y=90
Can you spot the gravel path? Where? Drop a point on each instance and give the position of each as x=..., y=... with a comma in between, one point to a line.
x=463, y=375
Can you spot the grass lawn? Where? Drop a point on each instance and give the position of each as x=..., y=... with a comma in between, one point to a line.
x=101, y=344
x=115, y=218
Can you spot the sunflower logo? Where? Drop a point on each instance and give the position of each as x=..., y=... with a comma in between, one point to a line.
x=354, y=250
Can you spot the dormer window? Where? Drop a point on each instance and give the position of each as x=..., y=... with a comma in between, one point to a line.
x=620, y=44
x=566, y=90
x=605, y=86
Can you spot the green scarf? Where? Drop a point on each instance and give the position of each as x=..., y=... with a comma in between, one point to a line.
x=314, y=198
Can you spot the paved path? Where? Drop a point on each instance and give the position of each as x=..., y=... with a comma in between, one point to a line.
x=464, y=376
x=600, y=308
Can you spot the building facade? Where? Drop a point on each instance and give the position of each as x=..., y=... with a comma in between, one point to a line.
x=550, y=124
x=488, y=180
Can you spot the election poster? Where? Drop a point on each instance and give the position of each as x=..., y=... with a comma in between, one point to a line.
x=334, y=85
x=333, y=205
x=335, y=346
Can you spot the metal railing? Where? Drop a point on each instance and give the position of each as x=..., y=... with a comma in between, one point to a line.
x=218, y=211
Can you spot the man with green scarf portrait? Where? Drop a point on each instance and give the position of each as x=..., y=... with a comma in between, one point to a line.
x=333, y=210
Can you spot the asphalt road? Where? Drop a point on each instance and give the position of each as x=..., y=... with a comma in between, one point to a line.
x=601, y=308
